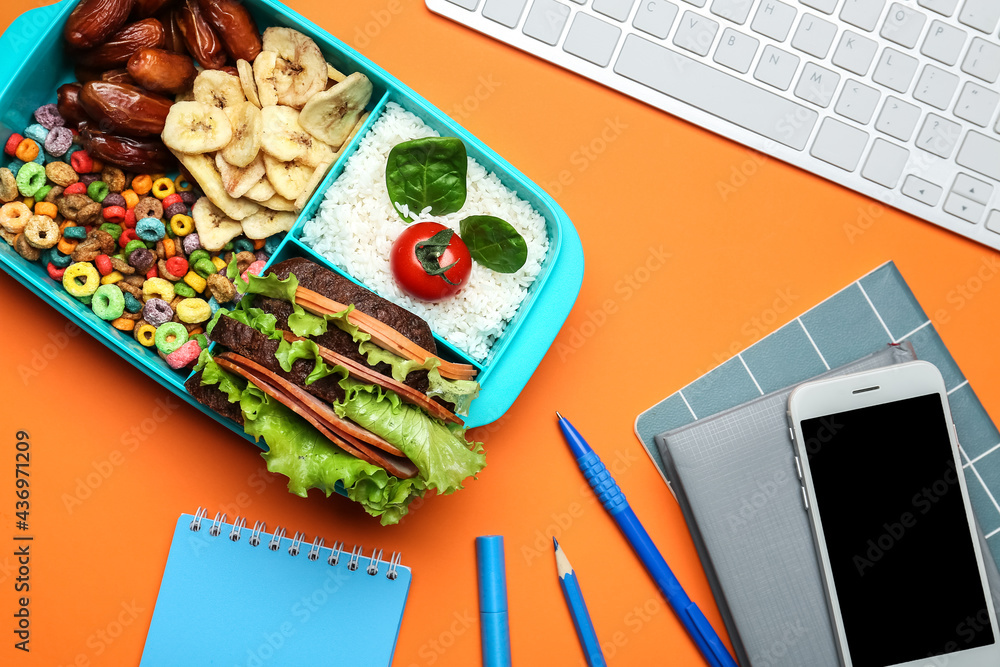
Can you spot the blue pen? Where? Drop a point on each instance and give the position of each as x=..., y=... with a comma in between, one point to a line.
x=614, y=502
x=494, y=626
x=578, y=610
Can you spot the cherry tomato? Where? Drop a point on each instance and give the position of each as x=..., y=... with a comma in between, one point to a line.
x=430, y=262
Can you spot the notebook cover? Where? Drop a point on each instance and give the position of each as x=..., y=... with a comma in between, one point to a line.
x=858, y=320
x=224, y=602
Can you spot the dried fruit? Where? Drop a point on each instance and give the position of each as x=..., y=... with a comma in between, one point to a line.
x=299, y=70
x=218, y=89
x=118, y=76
x=214, y=228
x=267, y=223
x=202, y=168
x=68, y=103
x=289, y=179
x=193, y=127
x=332, y=114
x=93, y=21
x=199, y=37
x=145, y=8
x=161, y=71
x=234, y=25
x=173, y=40
x=147, y=155
x=115, y=52
x=283, y=137
x=248, y=129
x=124, y=109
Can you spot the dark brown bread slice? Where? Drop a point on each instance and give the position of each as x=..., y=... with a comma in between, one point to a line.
x=252, y=344
x=333, y=286
x=213, y=398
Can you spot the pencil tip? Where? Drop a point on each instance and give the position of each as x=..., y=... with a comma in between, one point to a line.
x=555, y=543
x=558, y=415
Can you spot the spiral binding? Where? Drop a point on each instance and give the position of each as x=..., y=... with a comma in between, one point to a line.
x=295, y=547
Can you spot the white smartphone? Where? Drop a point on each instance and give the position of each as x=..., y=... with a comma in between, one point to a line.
x=882, y=480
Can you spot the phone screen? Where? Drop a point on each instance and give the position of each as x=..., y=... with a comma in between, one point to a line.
x=896, y=531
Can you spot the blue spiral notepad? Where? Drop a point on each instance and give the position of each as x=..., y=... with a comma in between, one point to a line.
x=236, y=595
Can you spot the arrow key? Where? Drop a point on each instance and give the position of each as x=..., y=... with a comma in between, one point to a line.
x=964, y=208
x=971, y=188
x=921, y=190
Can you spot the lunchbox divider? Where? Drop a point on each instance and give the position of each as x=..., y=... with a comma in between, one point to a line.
x=338, y=168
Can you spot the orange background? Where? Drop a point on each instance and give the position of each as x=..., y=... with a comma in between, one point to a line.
x=658, y=184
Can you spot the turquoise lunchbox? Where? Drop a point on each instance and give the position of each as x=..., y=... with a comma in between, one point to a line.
x=36, y=63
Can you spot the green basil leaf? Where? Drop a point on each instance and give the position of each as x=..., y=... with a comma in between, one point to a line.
x=428, y=172
x=494, y=243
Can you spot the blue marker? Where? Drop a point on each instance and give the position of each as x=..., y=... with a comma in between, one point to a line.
x=494, y=625
x=614, y=502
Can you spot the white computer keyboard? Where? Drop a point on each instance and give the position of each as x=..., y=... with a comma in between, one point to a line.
x=897, y=100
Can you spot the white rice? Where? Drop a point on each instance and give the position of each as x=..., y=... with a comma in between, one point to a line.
x=356, y=226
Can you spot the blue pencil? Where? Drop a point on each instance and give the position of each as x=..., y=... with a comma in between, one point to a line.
x=578, y=610
x=691, y=617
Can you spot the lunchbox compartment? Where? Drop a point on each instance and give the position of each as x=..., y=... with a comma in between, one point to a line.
x=36, y=63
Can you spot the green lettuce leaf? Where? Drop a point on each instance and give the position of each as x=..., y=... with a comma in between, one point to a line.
x=458, y=392
x=439, y=450
x=309, y=460
x=289, y=352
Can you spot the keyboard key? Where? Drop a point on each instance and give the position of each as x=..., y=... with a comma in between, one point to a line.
x=616, y=9
x=713, y=91
x=736, y=50
x=696, y=3
x=655, y=17
x=921, y=190
x=592, y=39
x=939, y=135
x=964, y=208
x=885, y=163
x=982, y=60
x=903, y=25
x=936, y=87
x=817, y=85
x=980, y=14
x=974, y=189
x=898, y=118
x=944, y=7
x=814, y=36
x=862, y=13
x=773, y=19
x=733, y=10
x=466, y=4
x=546, y=20
x=776, y=67
x=993, y=222
x=943, y=42
x=980, y=154
x=977, y=104
x=504, y=12
x=825, y=6
x=895, y=70
x=854, y=53
x=696, y=33
x=857, y=102
x=839, y=144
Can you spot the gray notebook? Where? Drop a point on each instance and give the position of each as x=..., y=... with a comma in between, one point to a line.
x=734, y=477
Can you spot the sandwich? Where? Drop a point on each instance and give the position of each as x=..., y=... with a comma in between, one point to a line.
x=345, y=389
